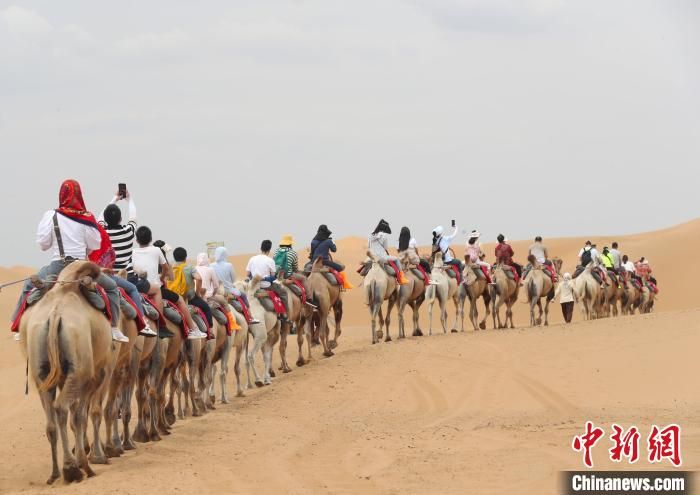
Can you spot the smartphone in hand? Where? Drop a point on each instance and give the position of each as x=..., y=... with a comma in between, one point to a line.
x=122, y=190
x=453, y=223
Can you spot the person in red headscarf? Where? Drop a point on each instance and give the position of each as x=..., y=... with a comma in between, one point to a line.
x=81, y=238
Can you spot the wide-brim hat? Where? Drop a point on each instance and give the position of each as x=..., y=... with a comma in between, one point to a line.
x=475, y=234
x=287, y=240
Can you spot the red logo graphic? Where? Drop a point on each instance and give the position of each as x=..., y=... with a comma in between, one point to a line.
x=625, y=445
x=587, y=441
x=665, y=444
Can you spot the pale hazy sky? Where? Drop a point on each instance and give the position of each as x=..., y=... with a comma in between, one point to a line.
x=239, y=121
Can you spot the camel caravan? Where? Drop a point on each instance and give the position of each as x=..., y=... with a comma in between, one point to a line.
x=112, y=322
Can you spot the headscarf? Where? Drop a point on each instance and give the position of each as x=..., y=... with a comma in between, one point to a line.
x=72, y=205
x=404, y=239
x=567, y=276
x=437, y=234
x=323, y=233
x=209, y=280
x=220, y=254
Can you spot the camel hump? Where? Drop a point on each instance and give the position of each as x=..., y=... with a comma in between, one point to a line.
x=78, y=270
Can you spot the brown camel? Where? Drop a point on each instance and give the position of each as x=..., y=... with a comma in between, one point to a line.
x=379, y=287
x=631, y=296
x=411, y=294
x=297, y=314
x=70, y=355
x=474, y=288
x=327, y=297
x=504, y=291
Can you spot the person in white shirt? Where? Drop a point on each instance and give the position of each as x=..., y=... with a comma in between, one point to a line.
x=539, y=250
x=628, y=264
x=79, y=236
x=149, y=262
x=616, y=257
x=441, y=242
x=263, y=267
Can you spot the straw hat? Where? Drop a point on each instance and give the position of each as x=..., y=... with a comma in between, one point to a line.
x=287, y=240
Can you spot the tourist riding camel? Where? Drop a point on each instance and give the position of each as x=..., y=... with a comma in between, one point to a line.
x=71, y=233
x=616, y=257
x=227, y=276
x=504, y=257
x=287, y=263
x=539, y=251
x=408, y=249
x=122, y=238
x=474, y=255
x=263, y=267
x=322, y=246
x=150, y=262
x=441, y=244
x=378, y=245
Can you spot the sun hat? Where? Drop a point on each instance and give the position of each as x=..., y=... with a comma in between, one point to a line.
x=287, y=240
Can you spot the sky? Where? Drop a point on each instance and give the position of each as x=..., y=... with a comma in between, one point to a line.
x=241, y=121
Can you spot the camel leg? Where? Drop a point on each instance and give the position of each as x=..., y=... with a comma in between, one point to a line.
x=110, y=415
x=546, y=313
x=373, y=312
x=487, y=307
x=97, y=455
x=400, y=309
x=323, y=332
x=443, y=314
x=267, y=363
x=258, y=343
x=125, y=407
x=431, y=302
x=80, y=423
x=169, y=410
x=225, y=355
x=301, y=330
x=284, y=331
x=455, y=301
x=415, y=308
x=71, y=471
x=387, y=320
x=338, y=317
x=509, y=314
x=47, y=399
x=141, y=396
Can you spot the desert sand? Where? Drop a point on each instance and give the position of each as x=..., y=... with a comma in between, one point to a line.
x=475, y=412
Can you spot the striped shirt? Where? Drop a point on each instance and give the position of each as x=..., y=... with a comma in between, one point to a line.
x=292, y=264
x=122, y=237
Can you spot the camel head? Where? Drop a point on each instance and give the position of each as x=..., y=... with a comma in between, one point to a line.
x=371, y=256
x=533, y=261
x=558, y=263
x=242, y=285
x=86, y=272
x=404, y=259
x=437, y=260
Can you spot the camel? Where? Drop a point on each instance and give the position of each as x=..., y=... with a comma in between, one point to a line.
x=504, y=291
x=538, y=285
x=473, y=288
x=379, y=287
x=327, y=297
x=646, y=300
x=239, y=342
x=631, y=296
x=444, y=290
x=411, y=294
x=587, y=290
x=216, y=351
x=70, y=355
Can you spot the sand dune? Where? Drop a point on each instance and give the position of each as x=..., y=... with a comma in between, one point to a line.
x=487, y=412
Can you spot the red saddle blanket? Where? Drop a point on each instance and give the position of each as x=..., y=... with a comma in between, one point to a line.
x=140, y=322
x=337, y=276
x=201, y=314
x=276, y=302
x=14, y=327
x=301, y=287
x=454, y=269
x=244, y=308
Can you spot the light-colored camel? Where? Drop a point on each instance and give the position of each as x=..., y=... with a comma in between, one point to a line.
x=646, y=300
x=445, y=288
x=379, y=287
x=474, y=288
x=216, y=350
x=631, y=296
x=587, y=291
x=70, y=355
x=239, y=342
x=411, y=294
x=538, y=284
x=504, y=291
x=327, y=297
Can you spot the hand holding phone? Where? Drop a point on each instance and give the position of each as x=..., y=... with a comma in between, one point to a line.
x=454, y=223
x=122, y=193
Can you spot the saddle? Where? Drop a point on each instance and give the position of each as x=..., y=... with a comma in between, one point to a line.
x=218, y=313
x=367, y=265
x=297, y=288
x=94, y=294
x=453, y=272
x=270, y=301
x=418, y=274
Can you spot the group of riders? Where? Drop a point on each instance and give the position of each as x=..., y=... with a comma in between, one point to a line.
x=136, y=268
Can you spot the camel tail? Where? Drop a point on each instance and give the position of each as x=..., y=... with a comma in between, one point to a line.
x=531, y=290
x=54, y=353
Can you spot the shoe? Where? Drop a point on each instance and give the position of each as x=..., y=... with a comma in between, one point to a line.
x=118, y=336
x=283, y=318
x=195, y=334
x=253, y=321
x=148, y=332
x=433, y=282
x=311, y=303
x=18, y=337
x=346, y=285
x=402, y=279
x=164, y=333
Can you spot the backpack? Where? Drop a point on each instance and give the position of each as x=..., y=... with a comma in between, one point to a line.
x=281, y=261
x=105, y=256
x=586, y=257
x=179, y=283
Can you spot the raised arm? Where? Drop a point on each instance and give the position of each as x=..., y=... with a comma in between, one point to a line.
x=132, y=208
x=452, y=235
